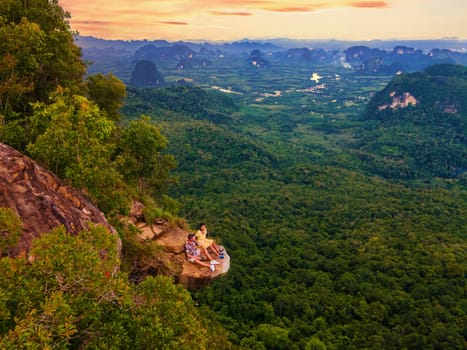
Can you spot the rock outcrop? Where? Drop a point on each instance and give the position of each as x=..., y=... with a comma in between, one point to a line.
x=171, y=238
x=41, y=199
x=400, y=102
x=195, y=277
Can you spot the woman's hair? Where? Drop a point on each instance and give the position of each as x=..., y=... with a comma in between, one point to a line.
x=190, y=236
x=201, y=225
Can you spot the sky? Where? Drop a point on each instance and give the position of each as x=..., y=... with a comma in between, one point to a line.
x=227, y=20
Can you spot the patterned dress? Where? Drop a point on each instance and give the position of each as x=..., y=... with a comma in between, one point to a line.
x=191, y=248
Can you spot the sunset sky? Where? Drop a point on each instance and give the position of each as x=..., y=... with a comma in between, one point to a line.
x=255, y=19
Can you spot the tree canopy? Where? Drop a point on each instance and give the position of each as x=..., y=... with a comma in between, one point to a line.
x=72, y=296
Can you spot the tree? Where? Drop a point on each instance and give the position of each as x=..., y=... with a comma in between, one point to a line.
x=273, y=337
x=37, y=54
x=72, y=296
x=74, y=139
x=144, y=164
x=108, y=92
x=315, y=344
x=21, y=55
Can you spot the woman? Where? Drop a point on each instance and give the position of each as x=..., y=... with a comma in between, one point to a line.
x=205, y=242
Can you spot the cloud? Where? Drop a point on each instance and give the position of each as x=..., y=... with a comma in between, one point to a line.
x=294, y=9
x=225, y=13
x=370, y=4
x=94, y=23
x=176, y=23
x=137, y=12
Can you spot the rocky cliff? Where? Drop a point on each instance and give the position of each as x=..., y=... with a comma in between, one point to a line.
x=41, y=199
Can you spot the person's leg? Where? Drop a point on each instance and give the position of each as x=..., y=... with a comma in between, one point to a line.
x=215, y=248
x=205, y=251
x=202, y=263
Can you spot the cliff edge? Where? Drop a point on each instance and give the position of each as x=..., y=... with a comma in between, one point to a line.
x=171, y=238
x=43, y=202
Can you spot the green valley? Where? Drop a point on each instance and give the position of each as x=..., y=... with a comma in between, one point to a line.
x=327, y=252
x=334, y=176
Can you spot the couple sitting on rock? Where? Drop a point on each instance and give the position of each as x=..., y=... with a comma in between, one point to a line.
x=198, y=243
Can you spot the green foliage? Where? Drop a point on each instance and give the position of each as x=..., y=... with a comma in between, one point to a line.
x=191, y=101
x=70, y=293
x=137, y=257
x=315, y=344
x=71, y=296
x=21, y=55
x=419, y=141
x=10, y=229
x=143, y=164
x=37, y=53
x=74, y=140
x=108, y=92
x=273, y=337
x=152, y=213
x=324, y=255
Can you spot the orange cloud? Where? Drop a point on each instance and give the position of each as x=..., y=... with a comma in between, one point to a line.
x=137, y=12
x=294, y=9
x=176, y=23
x=370, y=4
x=95, y=23
x=224, y=13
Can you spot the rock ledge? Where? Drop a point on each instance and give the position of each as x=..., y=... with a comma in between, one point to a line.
x=172, y=239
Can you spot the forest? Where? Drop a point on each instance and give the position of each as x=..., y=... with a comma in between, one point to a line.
x=345, y=222
x=329, y=252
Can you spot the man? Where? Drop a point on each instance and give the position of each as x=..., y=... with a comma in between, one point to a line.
x=193, y=253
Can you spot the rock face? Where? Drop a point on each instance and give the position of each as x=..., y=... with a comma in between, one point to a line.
x=41, y=199
x=400, y=102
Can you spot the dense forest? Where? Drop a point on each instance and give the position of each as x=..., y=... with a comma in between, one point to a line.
x=326, y=253
x=344, y=220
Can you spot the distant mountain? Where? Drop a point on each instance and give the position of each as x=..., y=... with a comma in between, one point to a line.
x=385, y=58
x=257, y=60
x=369, y=61
x=178, y=56
x=162, y=54
x=341, y=45
x=308, y=56
x=277, y=44
x=89, y=42
x=417, y=125
x=145, y=74
x=247, y=46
